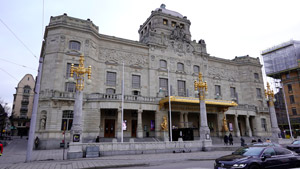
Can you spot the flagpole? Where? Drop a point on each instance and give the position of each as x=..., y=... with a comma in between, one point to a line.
x=169, y=93
x=122, y=115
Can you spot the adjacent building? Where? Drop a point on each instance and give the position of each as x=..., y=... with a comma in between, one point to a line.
x=164, y=56
x=22, y=106
x=283, y=62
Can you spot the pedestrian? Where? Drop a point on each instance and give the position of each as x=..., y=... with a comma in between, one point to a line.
x=268, y=140
x=230, y=139
x=1, y=148
x=242, y=142
x=253, y=140
x=97, y=139
x=36, y=142
x=259, y=140
x=225, y=140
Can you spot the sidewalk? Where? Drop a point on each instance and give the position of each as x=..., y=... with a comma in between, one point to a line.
x=15, y=154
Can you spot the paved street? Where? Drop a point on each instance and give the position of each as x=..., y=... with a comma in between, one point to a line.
x=14, y=156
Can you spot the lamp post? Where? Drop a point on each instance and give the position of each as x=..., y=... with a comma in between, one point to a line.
x=271, y=99
x=80, y=71
x=201, y=88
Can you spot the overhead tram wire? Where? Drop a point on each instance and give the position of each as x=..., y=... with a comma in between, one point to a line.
x=18, y=38
x=18, y=64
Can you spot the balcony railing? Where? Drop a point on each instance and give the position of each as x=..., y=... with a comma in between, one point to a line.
x=244, y=107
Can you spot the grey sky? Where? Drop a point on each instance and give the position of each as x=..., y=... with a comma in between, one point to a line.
x=230, y=28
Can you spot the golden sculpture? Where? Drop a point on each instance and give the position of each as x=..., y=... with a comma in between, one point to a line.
x=270, y=95
x=225, y=124
x=80, y=72
x=202, y=86
x=164, y=124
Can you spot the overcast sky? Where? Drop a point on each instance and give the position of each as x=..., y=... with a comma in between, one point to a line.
x=229, y=27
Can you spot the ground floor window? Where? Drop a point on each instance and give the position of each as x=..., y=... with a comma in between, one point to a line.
x=67, y=120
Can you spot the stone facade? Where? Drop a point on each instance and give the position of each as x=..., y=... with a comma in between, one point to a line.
x=165, y=43
x=22, y=106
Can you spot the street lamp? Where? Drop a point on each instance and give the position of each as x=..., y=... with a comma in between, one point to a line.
x=201, y=89
x=271, y=99
x=80, y=71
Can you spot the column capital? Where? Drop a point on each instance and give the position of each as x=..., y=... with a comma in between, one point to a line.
x=140, y=111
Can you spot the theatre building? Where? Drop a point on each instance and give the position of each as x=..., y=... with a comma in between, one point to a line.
x=164, y=60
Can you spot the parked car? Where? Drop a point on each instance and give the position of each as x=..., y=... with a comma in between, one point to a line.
x=267, y=144
x=259, y=157
x=295, y=146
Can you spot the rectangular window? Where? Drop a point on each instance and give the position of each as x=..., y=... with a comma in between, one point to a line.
x=258, y=93
x=294, y=110
x=67, y=120
x=264, y=124
x=232, y=92
x=110, y=91
x=163, y=64
x=180, y=67
x=173, y=24
x=181, y=88
x=70, y=87
x=218, y=90
x=165, y=22
x=74, y=45
x=136, y=81
x=287, y=75
x=196, y=69
x=163, y=84
x=290, y=88
x=68, y=72
x=292, y=100
x=111, y=78
x=256, y=76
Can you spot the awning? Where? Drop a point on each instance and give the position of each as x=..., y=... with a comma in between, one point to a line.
x=193, y=100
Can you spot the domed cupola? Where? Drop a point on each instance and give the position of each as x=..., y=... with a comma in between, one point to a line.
x=162, y=24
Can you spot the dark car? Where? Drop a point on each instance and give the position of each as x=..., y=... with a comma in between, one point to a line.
x=259, y=157
x=295, y=146
x=267, y=144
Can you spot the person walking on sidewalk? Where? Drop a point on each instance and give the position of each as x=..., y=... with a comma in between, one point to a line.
x=230, y=139
x=1, y=148
x=225, y=140
x=242, y=142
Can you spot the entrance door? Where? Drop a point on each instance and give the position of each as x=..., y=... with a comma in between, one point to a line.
x=109, y=128
x=133, y=128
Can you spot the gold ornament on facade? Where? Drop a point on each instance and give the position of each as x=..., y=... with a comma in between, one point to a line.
x=270, y=95
x=80, y=72
x=164, y=124
x=202, y=86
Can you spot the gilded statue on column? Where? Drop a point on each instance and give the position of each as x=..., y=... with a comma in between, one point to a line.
x=164, y=124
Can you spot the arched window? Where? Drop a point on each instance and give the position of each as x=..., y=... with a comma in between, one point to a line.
x=74, y=45
x=180, y=67
x=67, y=120
x=163, y=64
x=196, y=69
x=26, y=89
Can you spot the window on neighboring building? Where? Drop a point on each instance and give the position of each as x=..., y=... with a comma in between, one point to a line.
x=258, y=93
x=256, y=76
x=287, y=75
x=74, y=45
x=25, y=97
x=292, y=100
x=290, y=88
x=294, y=110
x=173, y=24
x=163, y=84
x=110, y=91
x=165, y=21
x=26, y=89
x=218, y=90
x=232, y=92
x=180, y=67
x=196, y=69
x=111, y=78
x=67, y=119
x=264, y=124
x=163, y=64
x=136, y=81
x=181, y=88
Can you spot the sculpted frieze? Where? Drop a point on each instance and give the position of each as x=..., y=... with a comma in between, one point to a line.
x=221, y=73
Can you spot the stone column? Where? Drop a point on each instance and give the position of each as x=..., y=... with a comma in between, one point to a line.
x=274, y=124
x=100, y=124
x=181, y=121
x=204, y=130
x=248, y=128
x=139, y=124
x=186, y=120
x=236, y=124
x=219, y=128
x=119, y=124
x=77, y=121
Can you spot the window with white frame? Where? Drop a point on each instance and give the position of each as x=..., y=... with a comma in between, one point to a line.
x=181, y=88
x=163, y=84
x=136, y=81
x=111, y=78
x=67, y=120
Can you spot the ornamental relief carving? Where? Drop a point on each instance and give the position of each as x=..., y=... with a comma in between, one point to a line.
x=112, y=55
x=221, y=73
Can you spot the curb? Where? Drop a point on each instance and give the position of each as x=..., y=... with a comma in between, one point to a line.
x=118, y=166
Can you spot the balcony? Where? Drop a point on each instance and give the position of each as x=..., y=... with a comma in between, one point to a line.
x=25, y=102
x=24, y=109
